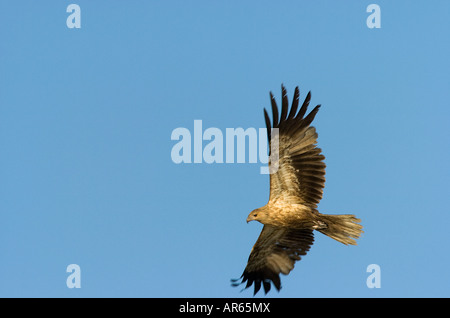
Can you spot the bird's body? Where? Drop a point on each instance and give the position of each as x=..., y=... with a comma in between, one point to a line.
x=293, y=215
x=296, y=187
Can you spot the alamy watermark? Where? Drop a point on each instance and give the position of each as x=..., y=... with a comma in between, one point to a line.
x=374, y=279
x=73, y=21
x=373, y=21
x=74, y=18
x=74, y=279
x=191, y=148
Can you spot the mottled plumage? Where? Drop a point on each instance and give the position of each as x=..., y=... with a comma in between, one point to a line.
x=296, y=188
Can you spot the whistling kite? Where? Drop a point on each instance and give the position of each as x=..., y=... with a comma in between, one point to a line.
x=291, y=214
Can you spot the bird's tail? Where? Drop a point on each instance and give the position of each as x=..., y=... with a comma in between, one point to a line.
x=343, y=228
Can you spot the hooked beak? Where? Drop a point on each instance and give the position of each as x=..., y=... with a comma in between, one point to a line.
x=252, y=216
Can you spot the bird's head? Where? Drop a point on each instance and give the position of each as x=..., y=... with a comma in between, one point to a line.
x=259, y=214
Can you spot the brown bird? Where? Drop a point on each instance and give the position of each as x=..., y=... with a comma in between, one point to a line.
x=296, y=187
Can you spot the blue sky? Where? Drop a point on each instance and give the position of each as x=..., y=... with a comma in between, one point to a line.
x=86, y=117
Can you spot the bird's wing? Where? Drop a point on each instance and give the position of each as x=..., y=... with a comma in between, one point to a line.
x=275, y=251
x=300, y=174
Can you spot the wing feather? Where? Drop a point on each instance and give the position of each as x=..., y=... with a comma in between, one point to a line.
x=294, y=104
x=274, y=110
x=304, y=107
x=301, y=170
x=267, y=120
x=275, y=252
x=284, y=104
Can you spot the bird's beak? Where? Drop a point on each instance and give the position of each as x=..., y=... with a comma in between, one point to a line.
x=249, y=218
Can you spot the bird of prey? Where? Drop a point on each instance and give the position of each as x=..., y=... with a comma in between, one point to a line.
x=291, y=215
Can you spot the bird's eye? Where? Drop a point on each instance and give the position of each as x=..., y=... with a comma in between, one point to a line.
x=255, y=214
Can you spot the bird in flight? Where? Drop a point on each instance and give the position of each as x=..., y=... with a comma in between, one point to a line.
x=296, y=187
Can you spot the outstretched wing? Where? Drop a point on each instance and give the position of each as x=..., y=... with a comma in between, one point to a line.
x=275, y=251
x=300, y=177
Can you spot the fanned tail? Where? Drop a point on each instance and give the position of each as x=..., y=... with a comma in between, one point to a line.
x=343, y=228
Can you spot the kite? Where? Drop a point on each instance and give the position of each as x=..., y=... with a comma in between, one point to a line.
x=296, y=187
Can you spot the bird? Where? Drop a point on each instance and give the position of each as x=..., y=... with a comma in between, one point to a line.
x=291, y=215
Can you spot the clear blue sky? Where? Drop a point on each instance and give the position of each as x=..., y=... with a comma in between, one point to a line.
x=86, y=116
